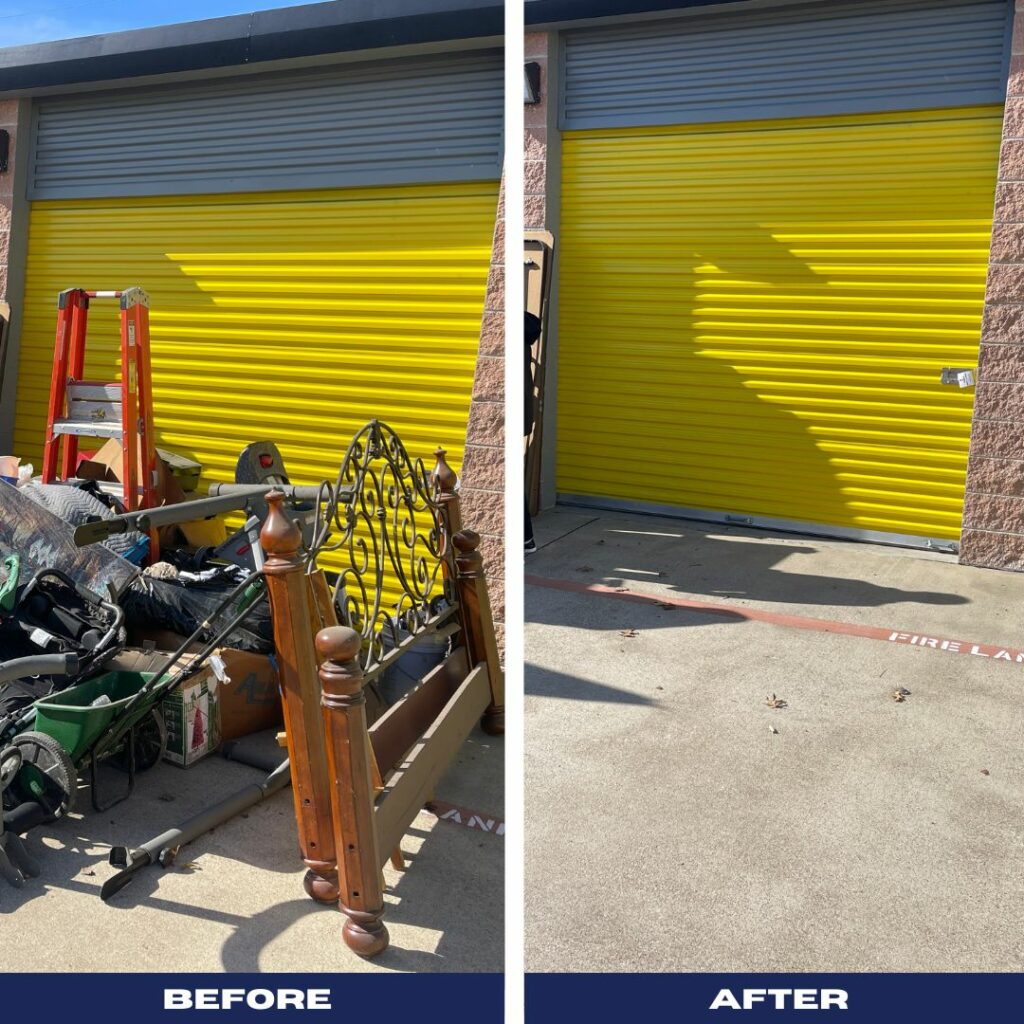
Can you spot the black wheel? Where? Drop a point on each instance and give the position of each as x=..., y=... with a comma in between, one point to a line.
x=10, y=765
x=47, y=775
x=150, y=744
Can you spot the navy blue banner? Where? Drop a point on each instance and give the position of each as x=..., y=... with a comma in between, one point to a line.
x=839, y=998
x=173, y=998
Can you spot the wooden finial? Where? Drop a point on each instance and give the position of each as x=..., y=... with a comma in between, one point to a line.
x=444, y=476
x=280, y=537
x=338, y=644
x=466, y=541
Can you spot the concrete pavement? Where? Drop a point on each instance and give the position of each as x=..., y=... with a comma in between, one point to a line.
x=676, y=822
x=234, y=899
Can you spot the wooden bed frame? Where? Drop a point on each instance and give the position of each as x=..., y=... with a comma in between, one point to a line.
x=392, y=528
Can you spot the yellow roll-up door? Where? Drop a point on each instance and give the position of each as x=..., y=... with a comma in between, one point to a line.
x=288, y=316
x=754, y=317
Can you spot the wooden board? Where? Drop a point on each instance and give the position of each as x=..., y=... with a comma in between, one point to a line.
x=394, y=733
x=414, y=780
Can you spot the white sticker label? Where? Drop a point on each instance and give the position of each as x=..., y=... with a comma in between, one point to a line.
x=965, y=378
x=40, y=637
x=220, y=670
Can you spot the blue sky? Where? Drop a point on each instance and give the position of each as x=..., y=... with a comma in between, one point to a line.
x=25, y=21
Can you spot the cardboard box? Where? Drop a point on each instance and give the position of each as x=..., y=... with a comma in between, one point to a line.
x=191, y=712
x=250, y=701
x=106, y=463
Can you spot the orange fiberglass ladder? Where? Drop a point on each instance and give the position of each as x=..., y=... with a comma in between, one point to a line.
x=84, y=408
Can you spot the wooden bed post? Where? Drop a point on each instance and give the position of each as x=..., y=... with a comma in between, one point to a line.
x=475, y=609
x=445, y=480
x=360, y=895
x=288, y=588
x=471, y=585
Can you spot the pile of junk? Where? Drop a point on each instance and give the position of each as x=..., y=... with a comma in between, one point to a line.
x=131, y=638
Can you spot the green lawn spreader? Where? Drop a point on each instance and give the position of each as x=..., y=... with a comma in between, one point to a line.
x=112, y=719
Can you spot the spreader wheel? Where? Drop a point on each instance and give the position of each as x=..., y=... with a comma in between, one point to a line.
x=150, y=744
x=47, y=774
x=10, y=765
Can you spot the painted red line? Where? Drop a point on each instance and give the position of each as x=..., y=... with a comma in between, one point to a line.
x=464, y=816
x=928, y=642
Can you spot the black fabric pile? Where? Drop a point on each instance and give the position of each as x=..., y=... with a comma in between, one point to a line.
x=182, y=605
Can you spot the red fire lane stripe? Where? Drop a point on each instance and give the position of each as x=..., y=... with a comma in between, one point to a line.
x=927, y=641
x=464, y=816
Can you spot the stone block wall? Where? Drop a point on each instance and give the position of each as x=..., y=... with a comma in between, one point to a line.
x=993, y=530
x=482, y=493
x=9, y=123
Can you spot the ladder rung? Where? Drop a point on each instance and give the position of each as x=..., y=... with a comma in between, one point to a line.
x=82, y=411
x=87, y=428
x=94, y=391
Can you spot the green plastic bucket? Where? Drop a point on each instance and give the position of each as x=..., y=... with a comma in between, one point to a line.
x=71, y=720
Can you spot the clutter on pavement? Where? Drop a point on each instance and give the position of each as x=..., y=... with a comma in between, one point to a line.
x=136, y=628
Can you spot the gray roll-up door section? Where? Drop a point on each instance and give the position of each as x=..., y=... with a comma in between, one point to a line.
x=416, y=121
x=802, y=60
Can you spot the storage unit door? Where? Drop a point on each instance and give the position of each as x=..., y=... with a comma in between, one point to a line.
x=288, y=316
x=754, y=312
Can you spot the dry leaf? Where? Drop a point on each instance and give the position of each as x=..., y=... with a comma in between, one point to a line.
x=900, y=694
x=985, y=771
x=629, y=632
x=774, y=702
x=772, y=729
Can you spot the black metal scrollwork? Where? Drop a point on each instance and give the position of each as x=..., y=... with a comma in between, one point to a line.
x=383, y=518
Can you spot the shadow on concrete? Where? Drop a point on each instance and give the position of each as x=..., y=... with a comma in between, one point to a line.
x=72, y=855
x=740, y=569
x=716, y=563
x=542, y=682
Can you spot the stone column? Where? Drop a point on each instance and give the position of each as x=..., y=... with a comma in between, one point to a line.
x=993, y=530
x=8, y=123
x=483, y=469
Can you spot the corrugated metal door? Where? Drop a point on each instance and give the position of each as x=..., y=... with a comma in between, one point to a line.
x=294, y=316
x=787, y=60
x=754, y=314
x=389, y=122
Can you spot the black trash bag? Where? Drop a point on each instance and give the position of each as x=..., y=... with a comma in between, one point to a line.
x=18, y=695
x=181, y=606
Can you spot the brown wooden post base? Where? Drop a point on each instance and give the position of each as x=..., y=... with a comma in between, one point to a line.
x=364, y=932
x=321, y=883
x=348, y=756
x=493, y=721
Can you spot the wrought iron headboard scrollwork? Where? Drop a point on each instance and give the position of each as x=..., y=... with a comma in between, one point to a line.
x=406, y=567
x=384, y=519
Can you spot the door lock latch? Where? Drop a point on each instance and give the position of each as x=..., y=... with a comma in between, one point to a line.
x=962, y=377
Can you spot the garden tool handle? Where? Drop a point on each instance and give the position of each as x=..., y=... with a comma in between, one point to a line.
x=39, y=665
